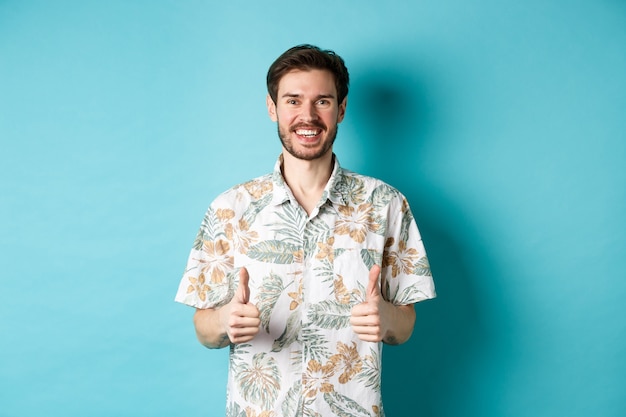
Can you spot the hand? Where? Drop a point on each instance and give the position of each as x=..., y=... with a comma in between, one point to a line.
x=239, y=318
x=370, y=319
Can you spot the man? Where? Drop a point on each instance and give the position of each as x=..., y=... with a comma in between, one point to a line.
x=305, y=271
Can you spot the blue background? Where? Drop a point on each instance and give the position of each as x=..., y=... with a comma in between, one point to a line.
x=503, y=122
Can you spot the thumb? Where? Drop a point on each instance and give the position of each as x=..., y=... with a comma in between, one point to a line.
x=243, y=290
x=373, y=286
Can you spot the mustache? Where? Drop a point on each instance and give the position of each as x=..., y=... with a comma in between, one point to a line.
x=316, y=123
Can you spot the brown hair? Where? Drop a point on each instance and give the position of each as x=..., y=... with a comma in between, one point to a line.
x=308, y=57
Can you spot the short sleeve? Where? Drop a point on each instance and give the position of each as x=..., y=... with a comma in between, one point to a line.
x=208, y=278
x=406, y=274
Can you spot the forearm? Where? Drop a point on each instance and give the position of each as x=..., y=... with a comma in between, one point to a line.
x=400, y=327
x=209, y=330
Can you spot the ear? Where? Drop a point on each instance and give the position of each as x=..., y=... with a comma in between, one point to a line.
x=342, y=110
x=271, y=108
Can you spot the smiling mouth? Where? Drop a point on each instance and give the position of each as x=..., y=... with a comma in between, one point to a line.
x=308, y=133
x=308, y=130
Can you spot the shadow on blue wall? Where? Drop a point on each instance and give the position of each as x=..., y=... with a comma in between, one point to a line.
x=398, y=117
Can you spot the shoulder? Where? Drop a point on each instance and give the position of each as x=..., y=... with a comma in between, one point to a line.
x=372, y=187
x=255, y=189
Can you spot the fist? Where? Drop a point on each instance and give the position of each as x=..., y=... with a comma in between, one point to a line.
x=241, y=319
x=369, y=319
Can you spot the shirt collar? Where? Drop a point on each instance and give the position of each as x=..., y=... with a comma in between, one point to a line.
x=334, y=191
x=282, y=193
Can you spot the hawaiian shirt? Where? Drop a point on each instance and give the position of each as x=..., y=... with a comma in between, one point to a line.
x=306, y=273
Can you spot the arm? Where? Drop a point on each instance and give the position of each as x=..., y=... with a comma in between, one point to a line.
x=209, y=329
x=236, y=322
x=378, y=320
x=400, y=322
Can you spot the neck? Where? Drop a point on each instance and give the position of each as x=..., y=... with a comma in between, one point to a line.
x=307, y=179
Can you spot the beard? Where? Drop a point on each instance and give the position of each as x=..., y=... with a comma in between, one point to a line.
x=313, y=154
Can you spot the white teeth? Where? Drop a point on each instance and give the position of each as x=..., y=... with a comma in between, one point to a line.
x=303, y=132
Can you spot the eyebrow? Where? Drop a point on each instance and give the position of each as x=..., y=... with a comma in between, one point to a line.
x=294, y=95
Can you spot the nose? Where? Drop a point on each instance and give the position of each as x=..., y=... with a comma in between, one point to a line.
x=309, y=112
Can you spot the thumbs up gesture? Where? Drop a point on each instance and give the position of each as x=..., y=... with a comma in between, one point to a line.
x=239, y=318
x=370, y=319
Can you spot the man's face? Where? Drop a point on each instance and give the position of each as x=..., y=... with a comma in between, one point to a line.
x=307, y=113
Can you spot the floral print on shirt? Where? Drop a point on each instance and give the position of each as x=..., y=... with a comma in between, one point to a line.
x=306, y=273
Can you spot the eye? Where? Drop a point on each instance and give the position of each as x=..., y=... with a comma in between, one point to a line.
x=323, y=102
x=292, y=101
